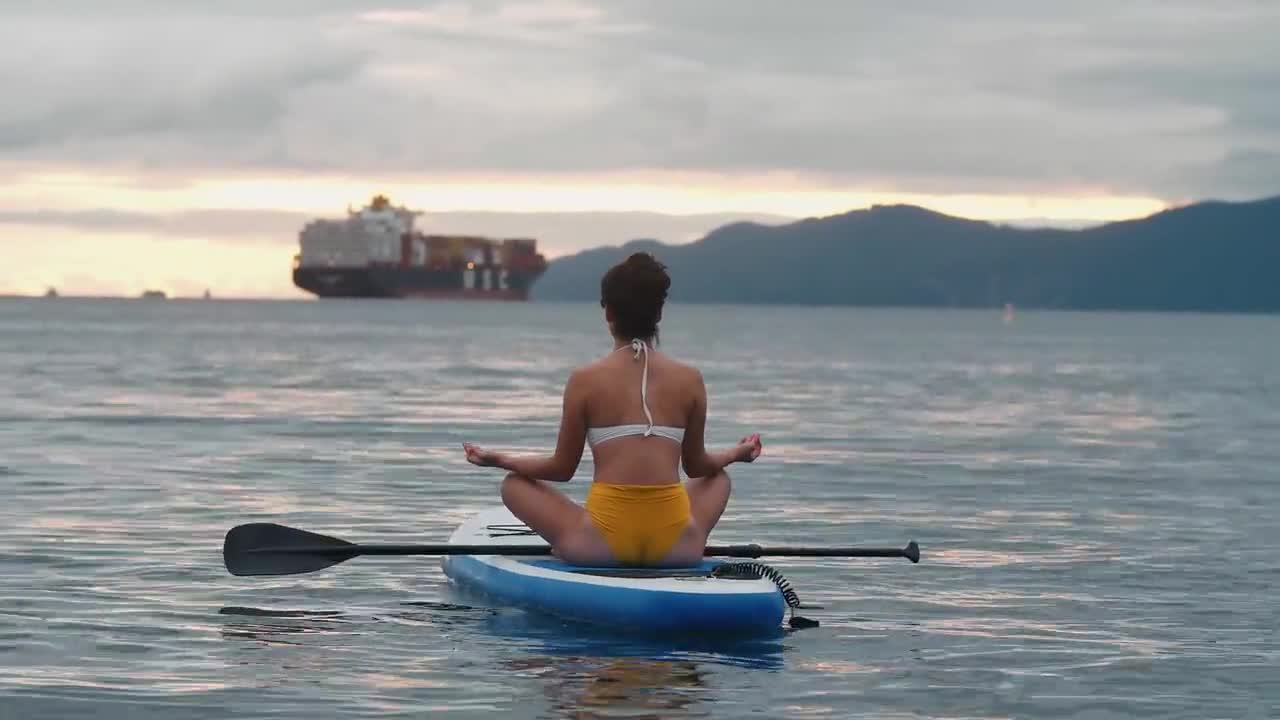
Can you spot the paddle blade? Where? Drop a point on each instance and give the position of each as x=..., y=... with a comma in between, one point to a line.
x=271, y=549
x=912, y=551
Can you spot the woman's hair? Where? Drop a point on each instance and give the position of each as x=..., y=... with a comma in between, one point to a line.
x=634, y=291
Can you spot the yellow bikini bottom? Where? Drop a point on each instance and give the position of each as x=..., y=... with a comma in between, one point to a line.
x=641, y=523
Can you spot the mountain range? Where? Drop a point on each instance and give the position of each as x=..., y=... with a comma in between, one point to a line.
x=1208, y=256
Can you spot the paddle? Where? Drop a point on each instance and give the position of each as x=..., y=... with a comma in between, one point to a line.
x=270, y=549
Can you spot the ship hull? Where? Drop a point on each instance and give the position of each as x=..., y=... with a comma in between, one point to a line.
x=411, y=282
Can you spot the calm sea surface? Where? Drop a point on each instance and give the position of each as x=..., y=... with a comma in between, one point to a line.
x=1095, y=496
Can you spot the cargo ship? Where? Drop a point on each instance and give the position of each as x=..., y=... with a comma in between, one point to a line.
x=375, y=252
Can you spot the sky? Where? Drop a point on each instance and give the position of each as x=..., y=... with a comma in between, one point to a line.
x=181, y=146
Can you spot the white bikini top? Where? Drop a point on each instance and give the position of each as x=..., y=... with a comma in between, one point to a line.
x=596, y=436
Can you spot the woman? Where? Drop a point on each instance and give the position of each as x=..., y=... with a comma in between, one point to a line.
x=643, y=414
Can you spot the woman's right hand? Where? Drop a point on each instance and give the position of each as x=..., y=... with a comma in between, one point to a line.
x=477, y=455
x=749, y=448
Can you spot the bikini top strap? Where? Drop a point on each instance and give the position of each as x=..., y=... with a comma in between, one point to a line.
x=641, y=348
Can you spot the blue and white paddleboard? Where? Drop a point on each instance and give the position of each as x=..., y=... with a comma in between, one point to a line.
x=685, y=600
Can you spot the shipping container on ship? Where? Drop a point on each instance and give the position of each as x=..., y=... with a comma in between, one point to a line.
x=375, y=252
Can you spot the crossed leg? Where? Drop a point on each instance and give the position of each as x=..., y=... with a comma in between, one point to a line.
x=560, y=521
x=708, y=497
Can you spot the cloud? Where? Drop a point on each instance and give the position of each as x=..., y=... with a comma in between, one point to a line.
x=161, y=92
x=234, y=225
x=1240, y=173
x=1001, y=96
x=557, y=233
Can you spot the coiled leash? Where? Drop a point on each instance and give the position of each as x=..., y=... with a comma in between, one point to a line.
x=757, y=570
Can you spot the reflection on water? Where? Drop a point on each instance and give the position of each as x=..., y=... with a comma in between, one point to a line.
x=590, y=688
x=589, y=672
x=273, y=626
x=268, y=625
x=584, y=672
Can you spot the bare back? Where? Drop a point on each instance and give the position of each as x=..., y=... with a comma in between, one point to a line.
x=612, y=397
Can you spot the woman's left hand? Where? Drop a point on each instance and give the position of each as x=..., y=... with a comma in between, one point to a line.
x=749, y=448
x=477, y=455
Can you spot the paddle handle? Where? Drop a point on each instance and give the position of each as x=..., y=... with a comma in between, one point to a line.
x=911, y=551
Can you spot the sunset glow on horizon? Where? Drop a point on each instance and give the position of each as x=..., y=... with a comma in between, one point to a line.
x=107, y=261
x=784, y=194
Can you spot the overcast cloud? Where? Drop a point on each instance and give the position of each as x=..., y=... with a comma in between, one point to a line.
x=1171, y=98
x=557, y=233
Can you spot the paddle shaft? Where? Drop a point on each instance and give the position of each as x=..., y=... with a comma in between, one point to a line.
x=747, y=551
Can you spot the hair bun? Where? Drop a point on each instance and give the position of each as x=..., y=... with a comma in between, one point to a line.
x=635, y=291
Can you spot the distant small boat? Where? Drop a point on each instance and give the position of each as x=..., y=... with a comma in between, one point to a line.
x=153, y=295
x=51, y=293
x=207, y=294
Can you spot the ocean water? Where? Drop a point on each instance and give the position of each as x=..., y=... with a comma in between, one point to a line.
x=1095, y=496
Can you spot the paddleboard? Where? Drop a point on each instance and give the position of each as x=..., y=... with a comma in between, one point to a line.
x=644, y=600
